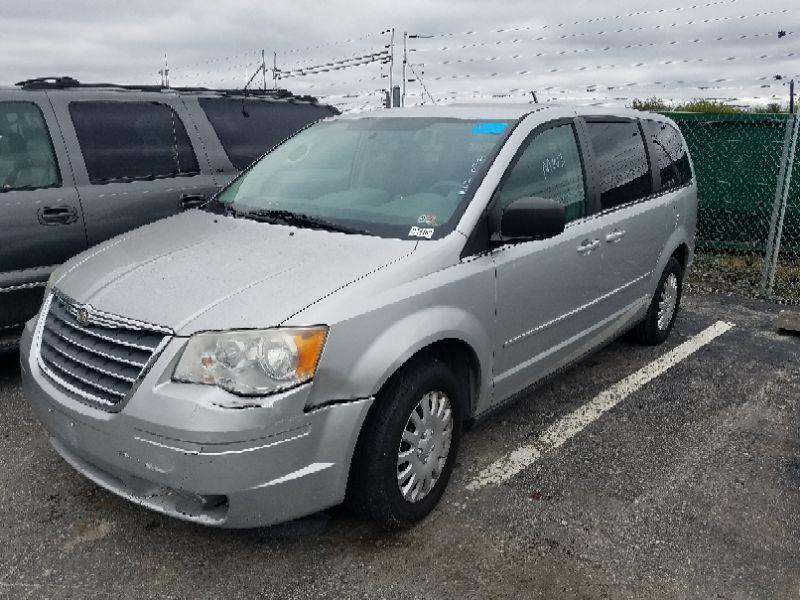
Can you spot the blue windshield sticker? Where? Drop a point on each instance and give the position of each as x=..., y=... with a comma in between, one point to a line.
x=491, y=128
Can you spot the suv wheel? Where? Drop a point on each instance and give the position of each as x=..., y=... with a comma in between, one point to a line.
x=663, y=309
x=408, y=446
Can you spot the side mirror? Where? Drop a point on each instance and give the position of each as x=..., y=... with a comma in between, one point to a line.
x=532, y=219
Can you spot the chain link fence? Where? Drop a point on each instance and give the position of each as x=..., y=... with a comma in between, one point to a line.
x=748, y=238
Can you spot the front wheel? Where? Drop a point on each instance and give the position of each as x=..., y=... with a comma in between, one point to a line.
x=408, y=446
x=663, y=309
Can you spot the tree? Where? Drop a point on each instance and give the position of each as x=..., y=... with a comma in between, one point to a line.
x=651, y=104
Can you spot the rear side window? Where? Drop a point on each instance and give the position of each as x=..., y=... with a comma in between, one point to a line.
x=670, y=155
x=549, y=167
x=129, y=141
x=247, y=129
x=621, y=159
x=27, y=160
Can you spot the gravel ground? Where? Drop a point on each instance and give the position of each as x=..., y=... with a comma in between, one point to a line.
x=741, y=274
x=689, y=488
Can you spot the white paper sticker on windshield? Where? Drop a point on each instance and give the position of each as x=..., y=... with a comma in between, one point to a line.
x=423, y=232
x=430, y=220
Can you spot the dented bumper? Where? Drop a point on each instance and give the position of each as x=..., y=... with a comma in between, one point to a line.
x=174, y=449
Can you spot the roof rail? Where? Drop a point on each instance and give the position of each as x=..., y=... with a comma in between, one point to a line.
x=67, y=82
x=39, y=83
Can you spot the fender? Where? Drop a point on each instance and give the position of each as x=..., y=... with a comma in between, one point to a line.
x=676, y=239
x=393, y=347
x=442, y=322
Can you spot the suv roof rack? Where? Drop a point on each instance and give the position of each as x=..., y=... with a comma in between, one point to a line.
x=66, y=82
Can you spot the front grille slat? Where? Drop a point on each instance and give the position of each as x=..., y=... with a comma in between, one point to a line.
x=79, y=389
x=84, y=359
x=98, y=358
x=63, y=365
x=124, y=339
x=89, y=344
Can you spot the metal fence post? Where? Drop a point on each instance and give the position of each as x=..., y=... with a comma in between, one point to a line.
x=770, y=256
x=779, y=210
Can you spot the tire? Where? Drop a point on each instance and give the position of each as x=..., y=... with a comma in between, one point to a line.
x=374, y=489
x=656, y=327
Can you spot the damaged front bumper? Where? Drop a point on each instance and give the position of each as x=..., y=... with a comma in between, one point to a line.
x=174, y=449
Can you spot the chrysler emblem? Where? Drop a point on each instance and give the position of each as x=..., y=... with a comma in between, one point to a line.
x=82, y=315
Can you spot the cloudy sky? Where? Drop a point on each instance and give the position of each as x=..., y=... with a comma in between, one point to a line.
x=577, y=50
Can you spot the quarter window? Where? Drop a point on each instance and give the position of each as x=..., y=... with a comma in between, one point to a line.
x=669, y=155
x=621, y=159
x=27, y=160
x=549, y=167
x=248, y=128
x=129, y=141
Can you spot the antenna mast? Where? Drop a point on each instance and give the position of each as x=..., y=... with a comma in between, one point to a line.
x=165, y=73
x=263, y=70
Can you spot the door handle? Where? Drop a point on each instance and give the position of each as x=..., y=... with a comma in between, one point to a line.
x=57, y=215
x=615, y=236
x=588, y=246
x=190, y=201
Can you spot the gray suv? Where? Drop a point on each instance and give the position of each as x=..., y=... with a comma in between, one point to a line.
x=321, y=331
x=80, y=163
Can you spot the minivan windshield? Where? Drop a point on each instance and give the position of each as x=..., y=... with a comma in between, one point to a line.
x=402, y=177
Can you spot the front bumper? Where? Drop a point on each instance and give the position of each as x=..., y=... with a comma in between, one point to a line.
x=173, y=449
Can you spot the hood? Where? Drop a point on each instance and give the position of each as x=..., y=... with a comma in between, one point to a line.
x=199, y=271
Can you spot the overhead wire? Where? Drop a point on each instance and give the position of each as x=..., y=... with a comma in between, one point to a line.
x=521, y=28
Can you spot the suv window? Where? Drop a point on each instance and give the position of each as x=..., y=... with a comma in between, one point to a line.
x=621, y=159
x=549, y=167
x=127, y=141
x=247, y=129
x=670, y=154
x=27, y=159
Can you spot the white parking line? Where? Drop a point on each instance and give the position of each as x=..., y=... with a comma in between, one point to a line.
x=559, y=432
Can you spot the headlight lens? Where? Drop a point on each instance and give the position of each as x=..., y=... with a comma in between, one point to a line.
x=252, y=362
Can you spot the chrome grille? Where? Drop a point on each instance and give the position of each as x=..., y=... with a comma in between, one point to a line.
x=93, y=355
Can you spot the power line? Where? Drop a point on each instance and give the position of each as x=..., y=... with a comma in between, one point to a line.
x=336, y=65
x=333, y=43
x=663, y=63
x=590, y=89
x=583, y=51
x=422, y=83
x=585, y=34
x=586, y=21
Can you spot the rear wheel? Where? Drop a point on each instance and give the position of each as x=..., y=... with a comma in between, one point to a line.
x=663, y=309
x=408, y=446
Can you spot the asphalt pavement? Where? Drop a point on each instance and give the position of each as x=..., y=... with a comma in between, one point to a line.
x=687, y=485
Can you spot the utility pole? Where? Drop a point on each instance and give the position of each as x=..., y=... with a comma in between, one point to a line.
x=275, y=70
x=791, y=97
x=405, y=62
x=391, y=67
x=263, y=71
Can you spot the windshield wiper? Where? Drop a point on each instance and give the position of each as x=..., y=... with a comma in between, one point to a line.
x=298, y=219
x=217, y=207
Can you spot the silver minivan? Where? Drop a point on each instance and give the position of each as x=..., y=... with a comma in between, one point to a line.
x=322, y=330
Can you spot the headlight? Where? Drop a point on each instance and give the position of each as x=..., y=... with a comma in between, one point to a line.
x=252, y=363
